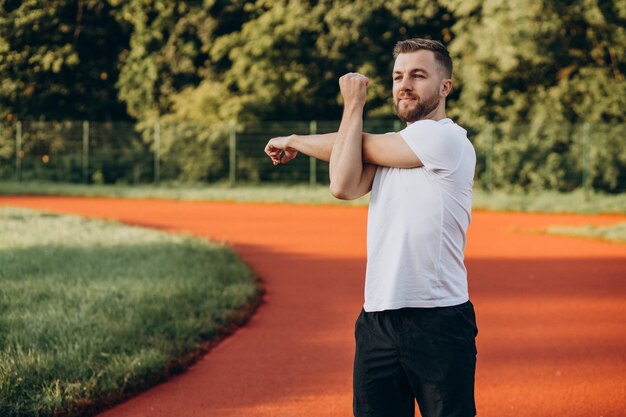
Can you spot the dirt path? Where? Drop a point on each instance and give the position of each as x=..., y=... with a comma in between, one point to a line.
x=551, y=312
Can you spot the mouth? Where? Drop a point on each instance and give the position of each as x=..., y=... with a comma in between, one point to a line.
x=407, y=100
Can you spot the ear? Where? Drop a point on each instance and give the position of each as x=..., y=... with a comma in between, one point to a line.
x=445, y=87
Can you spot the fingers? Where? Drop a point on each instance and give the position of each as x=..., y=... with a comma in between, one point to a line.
x=356, y=77
x=353, y=87
x=287, y=156
x=279, y=152
x=273, y=152
x=283, y=157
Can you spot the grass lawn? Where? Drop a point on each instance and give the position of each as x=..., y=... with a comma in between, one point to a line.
x=614, y=233
x=91, y=311
x=269, y=193
x=546, y=201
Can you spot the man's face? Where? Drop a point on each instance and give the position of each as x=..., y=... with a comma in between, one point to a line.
x=417, y=81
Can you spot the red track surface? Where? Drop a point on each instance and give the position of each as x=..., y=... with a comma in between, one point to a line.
x=551, y=312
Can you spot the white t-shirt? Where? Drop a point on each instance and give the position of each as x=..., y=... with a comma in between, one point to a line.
x=417, y=222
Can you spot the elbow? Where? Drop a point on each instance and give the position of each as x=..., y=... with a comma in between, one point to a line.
x=340, y=193
x=337, y=192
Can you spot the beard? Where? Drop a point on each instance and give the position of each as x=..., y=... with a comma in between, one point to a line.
x=421, y=109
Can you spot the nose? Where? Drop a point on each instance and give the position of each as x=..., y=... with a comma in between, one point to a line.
x=405, y=84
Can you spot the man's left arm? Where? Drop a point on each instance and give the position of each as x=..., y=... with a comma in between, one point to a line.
x=388, y=150
x=283, y=149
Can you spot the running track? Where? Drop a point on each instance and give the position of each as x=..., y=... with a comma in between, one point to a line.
x=551, y=312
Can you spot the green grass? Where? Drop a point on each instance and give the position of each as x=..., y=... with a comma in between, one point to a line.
x=270, y=193
x=547, y=201
x=614, y=233
x=91, y=311
x=550, y=202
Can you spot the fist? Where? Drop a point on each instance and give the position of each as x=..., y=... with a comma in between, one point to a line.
x=279, y=151
x=353, y=87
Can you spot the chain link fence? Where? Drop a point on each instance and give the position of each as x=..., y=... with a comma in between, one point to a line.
x=558, y=157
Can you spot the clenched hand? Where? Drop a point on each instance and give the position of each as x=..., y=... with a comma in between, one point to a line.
x=353, y=88
x=279, y=151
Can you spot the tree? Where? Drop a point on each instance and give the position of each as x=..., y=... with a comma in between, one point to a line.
x=59, y=60
x=285, y=60
x=538, y=70
x=219, y=61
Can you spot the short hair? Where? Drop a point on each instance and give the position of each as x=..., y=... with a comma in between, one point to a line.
x=442, y=56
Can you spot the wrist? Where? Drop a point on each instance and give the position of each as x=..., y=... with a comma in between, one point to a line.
x=353, y=107
x=292, y=141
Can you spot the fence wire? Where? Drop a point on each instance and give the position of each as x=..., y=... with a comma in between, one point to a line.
x=559, y=157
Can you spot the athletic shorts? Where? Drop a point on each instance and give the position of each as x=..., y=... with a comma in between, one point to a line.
x=423, y=354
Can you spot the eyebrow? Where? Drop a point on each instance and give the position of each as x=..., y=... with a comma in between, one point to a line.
x=412, y=71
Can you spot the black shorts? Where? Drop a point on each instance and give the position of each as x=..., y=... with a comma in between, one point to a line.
x=423, y=354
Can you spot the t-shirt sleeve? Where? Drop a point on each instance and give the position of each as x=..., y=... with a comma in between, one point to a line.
x=436, y=145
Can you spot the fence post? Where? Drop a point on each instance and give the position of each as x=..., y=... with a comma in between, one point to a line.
x=157, y=152
x=312, y=161
x=586, y=161
x=18, y=151
x=85, y=151
x=232, y=148
x=489, y=158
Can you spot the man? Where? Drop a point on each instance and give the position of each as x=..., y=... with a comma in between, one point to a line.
x=415, y=337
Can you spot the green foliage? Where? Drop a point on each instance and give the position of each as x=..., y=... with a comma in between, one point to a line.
x=552, y=156
x=538, y=70
x=194, y=151
x=165, y=52
x=250, y=61
x=535, y=71
x=58, y=60
x=285, y=59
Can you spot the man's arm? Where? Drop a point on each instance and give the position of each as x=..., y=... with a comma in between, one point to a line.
x=283, y=149
x=388, y=150
x=349, y=177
